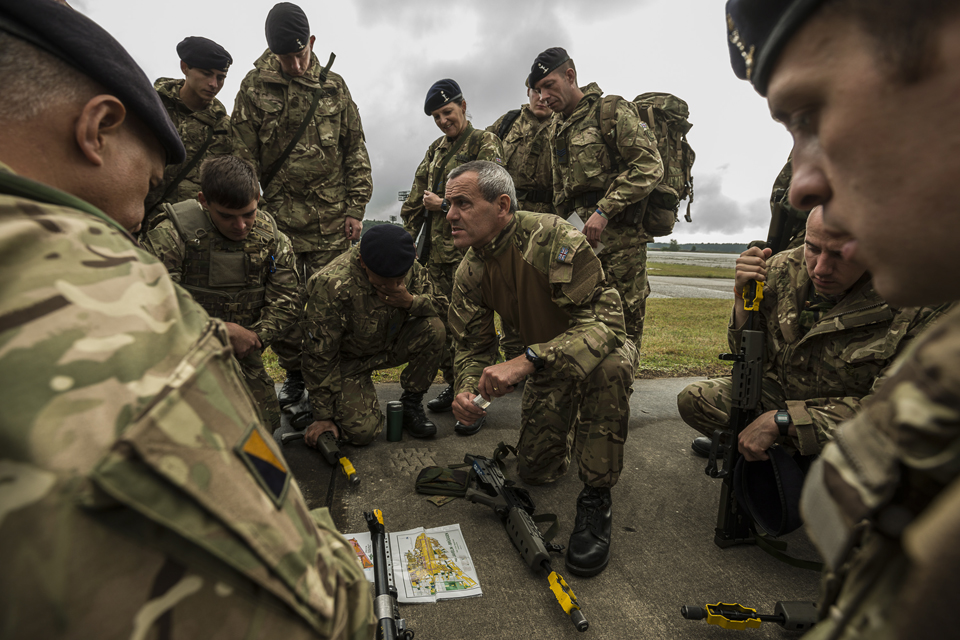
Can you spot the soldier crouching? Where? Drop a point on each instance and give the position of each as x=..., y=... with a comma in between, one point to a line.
x=372, y=308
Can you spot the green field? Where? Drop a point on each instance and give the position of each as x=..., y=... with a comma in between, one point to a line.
x=687, y=270
x=681, y=337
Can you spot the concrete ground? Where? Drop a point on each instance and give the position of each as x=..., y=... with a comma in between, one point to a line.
x=664, y=510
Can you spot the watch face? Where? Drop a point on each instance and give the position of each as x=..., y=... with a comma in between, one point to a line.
x=781, y=417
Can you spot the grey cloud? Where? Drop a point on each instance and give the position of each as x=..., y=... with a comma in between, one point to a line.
x=714, y=212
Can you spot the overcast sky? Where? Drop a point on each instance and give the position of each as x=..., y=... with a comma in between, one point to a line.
x=390, y=51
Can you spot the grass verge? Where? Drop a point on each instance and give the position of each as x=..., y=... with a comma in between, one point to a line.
x=681, y=337
x=687, y=270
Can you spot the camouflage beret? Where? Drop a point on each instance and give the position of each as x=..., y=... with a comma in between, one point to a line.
x=757, y=31
x=545, y=64
x=287, y=28
x=204, y=53
x=84, y=45
x=442, y=92
x=388, y=250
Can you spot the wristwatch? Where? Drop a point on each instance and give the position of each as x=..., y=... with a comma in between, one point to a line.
x=783, y=422
x=538, y=362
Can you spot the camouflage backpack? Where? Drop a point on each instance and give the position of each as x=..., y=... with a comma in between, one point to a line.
x=666, y=115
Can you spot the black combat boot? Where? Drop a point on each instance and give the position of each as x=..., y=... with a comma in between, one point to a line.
x=589, y=550
x=414, y=419
x=469, y=429
x=292, y=390
x=701, y=447
x=443, y=402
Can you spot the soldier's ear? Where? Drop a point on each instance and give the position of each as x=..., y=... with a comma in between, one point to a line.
x=100, y=123
x=202, y=199
x=184, y=67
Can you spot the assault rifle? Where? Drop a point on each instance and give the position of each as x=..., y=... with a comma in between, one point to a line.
x=390, y=626
x=792, y=616
x=734, y=525
x=515, y=508
x=327, y=445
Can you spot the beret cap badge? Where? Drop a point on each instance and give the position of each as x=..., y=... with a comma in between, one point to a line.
x=735, y=40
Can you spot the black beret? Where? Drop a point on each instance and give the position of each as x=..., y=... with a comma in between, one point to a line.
x=545, y=64
x=442, y=92
x=769, y=490
x=204, y=53
x=387, y=250
x=757, y=31
x=287, y=28
x=82, y=43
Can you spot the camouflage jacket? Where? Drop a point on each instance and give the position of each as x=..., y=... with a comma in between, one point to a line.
x=788, y=224
x=327, y=175
x=268, y=271
x=431, y=176
x=140, y=491
x=881, y=504
x=345, y=320
x=621, y=169
x=527, y=156
x=194, y=127
x=565, y=311
x=826, y=374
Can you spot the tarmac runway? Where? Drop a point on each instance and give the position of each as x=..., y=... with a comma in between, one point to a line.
x=679, y=287
x=663, y=556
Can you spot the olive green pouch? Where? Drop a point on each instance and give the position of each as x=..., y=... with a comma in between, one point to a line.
x=444, y=481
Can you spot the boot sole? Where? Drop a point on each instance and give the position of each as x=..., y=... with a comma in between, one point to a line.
x=444, y=410
x=421, y=435
x=585, y=572
x=469, y=429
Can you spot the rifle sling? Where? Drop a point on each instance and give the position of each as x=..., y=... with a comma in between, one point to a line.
x=275, y=167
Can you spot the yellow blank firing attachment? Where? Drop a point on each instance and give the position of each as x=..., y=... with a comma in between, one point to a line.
x=349, y=471
x=715, y=616
x=379, y=515
x=564, y=594
x=752, y=295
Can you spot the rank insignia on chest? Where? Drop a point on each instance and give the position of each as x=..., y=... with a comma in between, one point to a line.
x=564, y=255
x=269, y=470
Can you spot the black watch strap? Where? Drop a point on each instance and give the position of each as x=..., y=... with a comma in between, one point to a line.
x=538, y=363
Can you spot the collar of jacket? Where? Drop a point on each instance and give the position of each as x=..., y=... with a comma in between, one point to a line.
x=169, y=90
x=446, y=143
x=270, y=71
x=591, y=95
x=496, y=246
x=859, y=298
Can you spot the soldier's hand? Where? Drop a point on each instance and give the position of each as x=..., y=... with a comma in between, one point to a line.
x=242, y=340
x=395, y=296
x=315, y=429
x=352, y=228
x=758, y=437
x=594, y=228
x=751, y=265
x=501, y=379
x=431, y=201
x=464, y=410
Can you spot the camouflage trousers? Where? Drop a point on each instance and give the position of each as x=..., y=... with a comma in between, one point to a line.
x=706, y=406
x=288, y=347
x=587, y=418
x=262, y=387
x=441, y=274
x=624, y=261
x=357, y=412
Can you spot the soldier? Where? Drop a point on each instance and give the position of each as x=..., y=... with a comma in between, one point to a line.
x=786, y=222
x=421, y=213
x=315, y=178
x=137, y=476
x=829, y=340
x=602, y=178
x=234, y=261
x=579, y=361
x=868, y=92
x=371, y=308
x=200, y=119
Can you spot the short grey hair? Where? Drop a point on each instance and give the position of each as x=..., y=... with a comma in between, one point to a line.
x=34, y=81
x=492, y=180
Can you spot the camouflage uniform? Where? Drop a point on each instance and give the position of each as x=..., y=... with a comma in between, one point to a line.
x=574, y=322
x=194, y=127
x=140, y=495
x=350, y=333
x=820, y=376
x=431, y=176
x=526, y=155
x=787, y=223
x=253, y=283
x=326, y=177
x=614, y=174
x=882, y=503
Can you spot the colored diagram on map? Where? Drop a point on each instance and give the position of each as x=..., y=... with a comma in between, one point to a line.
x=433, y=564
x=361, y=554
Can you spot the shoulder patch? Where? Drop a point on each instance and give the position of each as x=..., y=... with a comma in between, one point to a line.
x=270, y=472
x=565, y=255
x=644, y=125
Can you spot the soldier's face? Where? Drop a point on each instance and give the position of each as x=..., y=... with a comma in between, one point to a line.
x=881, y=155
x=474, y=222
x=296, y=64
x=451, y=118
x=204, y=84
x=830, y=273
x=556, y=91
x=235, y=224
x=537, y=106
